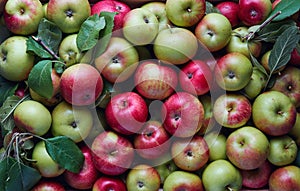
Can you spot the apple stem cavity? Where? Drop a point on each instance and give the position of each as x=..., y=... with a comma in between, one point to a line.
x=39, y=41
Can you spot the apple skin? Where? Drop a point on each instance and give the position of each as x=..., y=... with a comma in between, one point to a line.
x=185, y=13
x=256, y=84
x=68, y=50
x=265, y=63
x=213, y=31
x=183, y=180
x=108, y=183
x=216, y=142
x=155, y=81
x=112, y=153
x=143, y=177
x=254, y=12
x=232, y=110
x=22, y=17
x=184, y=114
x=230, y=10
x=25, y=117
x=88, y=174
x=295, y=131
x=247, y=147
x=126, y=113
x=68, y=21
x=13, y=48
x=165, y=169
x=175, y=45
x=209, y=122
x=285, y=178
x=81, y=84
x=273, y=113
x=48, y=185
x=295, y=58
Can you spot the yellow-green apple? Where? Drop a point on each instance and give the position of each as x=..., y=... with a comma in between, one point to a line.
x=232, y=110
x=254, y=12
x=143, y=177
x=175, y=45
x=155, y=80
x=256, y=84
x=285, y=178
x=165, y=169
x=68, y=15
x=22, y=17
x=119, y=61
x=126, y=112
x=227, y=175
x=213, y=31
x=68, y=50
x=14, y=47
x=195, y=77
x=183, y=180
x=48, y=185
x=233, y=71
x=184, y=114
x=113, y=154
x=265, y=62
x=230, y=10
x=216, y=142
x=71, y=121
x=33, y=116
x=185, y=13
x=283, y=150
x=44, y=163
x=209, y=123
x=45, y=9
x=247, y=147
x=273, y=113
x=140, y=26
x=152, y=140
x=295, y=131
x=190, y=154
x=81, y=84
x=109, y=183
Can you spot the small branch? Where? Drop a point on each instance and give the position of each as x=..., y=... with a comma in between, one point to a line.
x=38, y=40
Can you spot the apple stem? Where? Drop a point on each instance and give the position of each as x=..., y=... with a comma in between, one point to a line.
x=39, y=41
x=290, y=144
x=230, y=189
x=170, y=28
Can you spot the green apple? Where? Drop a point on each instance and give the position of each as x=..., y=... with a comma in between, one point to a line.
x=33, y=117
x=140, y=26
x=214, y=31
x=71, y=121
x=165, y=169
x=221, y=175
x=12, y=49
x=256, y=84
x=216, y=142
x=44, y=163
x=68, y=50
x=209, y=123
x=68, y=15
x=295, y=131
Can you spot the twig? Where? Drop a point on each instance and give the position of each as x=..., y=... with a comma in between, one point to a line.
x=38, y=40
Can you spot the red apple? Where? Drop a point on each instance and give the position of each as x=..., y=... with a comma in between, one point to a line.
x=108, y=183
x=295, y=58
x=285, y=179
x=48, y=185
x=230, y=10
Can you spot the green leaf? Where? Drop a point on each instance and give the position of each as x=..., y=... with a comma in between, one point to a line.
x=256, y=63
x=39, y=79
x=88, y=34
x=59, y=67
x=65, y=152
x=7, y=88
x=287, y=8
x=210, y=8
x=34, y=47
x=14, y=175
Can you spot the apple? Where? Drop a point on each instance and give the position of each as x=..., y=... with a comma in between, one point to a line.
x=68, y=50
x=209, y=123
x=195, y=77
x=190, y=154
x=256, y=84
x=175, y=45
x=295, y=131
x=44, y=163
x=247, y=147
x=2, y=5
x=230, y=10
x=165, y=169
x=213, y=31
x=185, y=13
x=221, y=175
x=285, y=178
x=68, y=15
x=71, y=121
x=87, y=175
x=232, y=110
x=140, y=26
x=81, y=84
x=155, y=80
x=216, y=142
x=126, y=113
x=22, y=17
x=112, y=153
x=32, y=116
x=233, y=71
x=152, y=141
x=108, y=183
x=119, y=61
x=283, y=150
x=254, y=12
x=184, y=114
x=295, y=57
x=14, y=47
x=273, y=113
x=183, y=180
x=143, y=177
x=48, y=185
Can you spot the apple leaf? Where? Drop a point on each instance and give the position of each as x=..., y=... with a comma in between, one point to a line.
x=256, y=63
x=210, y=8
x=14, y=175
x=65, y=152
x=7, y=88
x=287, y=8
x=39, y=79
x=34, y=47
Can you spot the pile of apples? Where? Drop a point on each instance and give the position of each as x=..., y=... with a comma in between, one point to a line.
x=156, y=95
